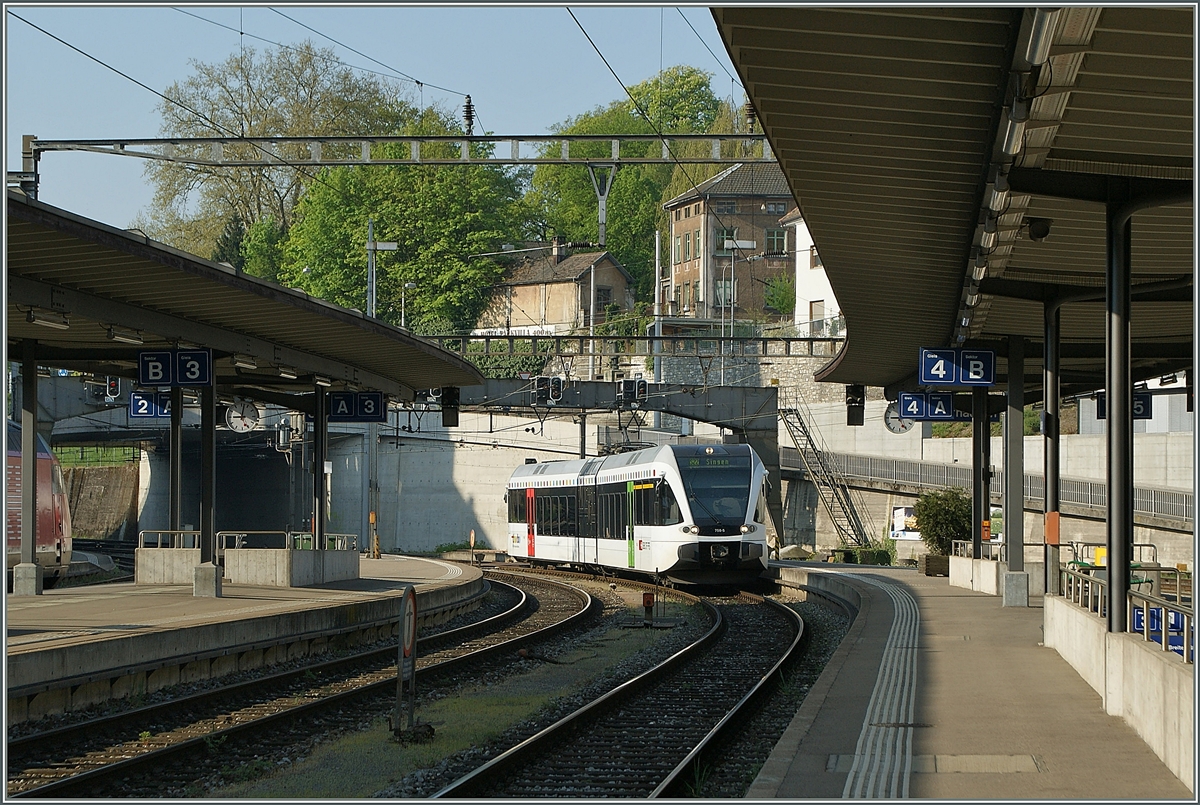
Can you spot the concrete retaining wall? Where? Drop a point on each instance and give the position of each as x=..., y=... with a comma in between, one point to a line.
x=77, y=676
x=987, y=575
x=165, y=565
x=1152, y=690
x=284, y=567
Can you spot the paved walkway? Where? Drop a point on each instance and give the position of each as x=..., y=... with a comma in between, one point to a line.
x=939, y=692
x=71, y=615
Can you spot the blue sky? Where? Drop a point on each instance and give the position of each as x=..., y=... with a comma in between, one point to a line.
x=525, y=68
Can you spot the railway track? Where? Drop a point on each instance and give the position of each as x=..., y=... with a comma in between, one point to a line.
x=180, y=740
x=657, y=734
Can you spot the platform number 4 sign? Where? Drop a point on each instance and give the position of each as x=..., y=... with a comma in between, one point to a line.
x=938, y=367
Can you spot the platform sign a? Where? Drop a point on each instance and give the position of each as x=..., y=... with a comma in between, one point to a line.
x=361, y=406
x=941, y=405
x=938, y=367
x=912, y=406
x=341, y=406
x=977, y=367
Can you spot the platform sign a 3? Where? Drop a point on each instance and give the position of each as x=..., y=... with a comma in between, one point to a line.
x=938, y=367
x=912, y=406
x=341, y=406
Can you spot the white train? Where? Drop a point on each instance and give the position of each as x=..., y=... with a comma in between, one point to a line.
x=692, y=513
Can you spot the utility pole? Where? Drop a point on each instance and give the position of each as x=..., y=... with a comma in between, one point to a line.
x=372, y=490
x=657, y=320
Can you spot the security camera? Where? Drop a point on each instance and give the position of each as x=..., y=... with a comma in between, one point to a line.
x=1039, y=228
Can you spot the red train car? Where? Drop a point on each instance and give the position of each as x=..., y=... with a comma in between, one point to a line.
x=53, y=549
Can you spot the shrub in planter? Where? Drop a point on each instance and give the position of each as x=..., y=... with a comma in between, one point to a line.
x=943, y=517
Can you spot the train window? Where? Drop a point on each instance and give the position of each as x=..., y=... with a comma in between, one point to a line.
x=668, y=507
x=516, y=506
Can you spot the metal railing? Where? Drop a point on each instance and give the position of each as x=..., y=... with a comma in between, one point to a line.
x=174, y=539
x=1170, y=623
x=1146, y=500
x=993, y=551
x=1164, y=622
x=252, y=539
x=303, y=541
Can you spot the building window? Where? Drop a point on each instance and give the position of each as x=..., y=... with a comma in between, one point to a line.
x=814, y=259
x=676, y=215
x=816, y=315
x=726, y=292
x=696, y=209
x=687, y=212
x=603, y=297
x=677, y=253
x=776, y=241
x=687, y=295
x=687, y=246
x=724, y=234
x=725, y=207
x=696, y=243
x=776, y=208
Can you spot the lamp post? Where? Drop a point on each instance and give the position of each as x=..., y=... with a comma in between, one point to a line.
x=408, y=286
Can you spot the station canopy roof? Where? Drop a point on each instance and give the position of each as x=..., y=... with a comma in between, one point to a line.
x=114, y=288
x=886, y=122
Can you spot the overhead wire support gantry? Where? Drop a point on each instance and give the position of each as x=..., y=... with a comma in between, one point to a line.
x=357, y=150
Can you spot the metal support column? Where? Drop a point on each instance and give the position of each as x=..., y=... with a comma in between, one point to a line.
x=602, y=183
x=980, y=442
x=1052, y=399
x=208, y=474
x=1014, y=456
x=657, y=320
x=175, y=513
x=1015, y=589
x=318, y=468
x=27, y=575
x=1119, y=393
x=583, y=434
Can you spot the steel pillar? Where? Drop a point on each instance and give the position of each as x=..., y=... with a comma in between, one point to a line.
x=1014, y=456
x=175, y=505
x=318, y=468
x=27, y=574
x=980, y=454
x=1050, y=431
x=208, y=474
x=1119, y=391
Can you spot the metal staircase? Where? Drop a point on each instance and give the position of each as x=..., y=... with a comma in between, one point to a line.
x=823, y=471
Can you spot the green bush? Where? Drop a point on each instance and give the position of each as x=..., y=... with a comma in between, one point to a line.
x=942, y=518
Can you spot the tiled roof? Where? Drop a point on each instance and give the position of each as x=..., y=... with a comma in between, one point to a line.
x=543, y=269
x=740, y=180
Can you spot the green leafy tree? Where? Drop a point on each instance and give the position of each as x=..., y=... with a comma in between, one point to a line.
x=439, y=217
x=299, y=91
x=262, y=249
x=562, y=196
x=780, y=294
x=229, y=244
x=943, y=517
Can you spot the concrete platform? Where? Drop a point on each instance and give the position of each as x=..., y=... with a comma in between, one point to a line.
x=71, y=647
x=940, y=692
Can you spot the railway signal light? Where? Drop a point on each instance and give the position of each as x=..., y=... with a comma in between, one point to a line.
x=855, y=404
x=449, y=396
x=112, y=387
x=541, y=390
x=556, y=389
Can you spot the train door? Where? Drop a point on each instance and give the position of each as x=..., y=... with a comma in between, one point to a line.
x=588, y=539
x=629, y=512
x=530, y=520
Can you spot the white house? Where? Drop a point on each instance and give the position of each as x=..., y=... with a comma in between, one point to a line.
x=817, y=310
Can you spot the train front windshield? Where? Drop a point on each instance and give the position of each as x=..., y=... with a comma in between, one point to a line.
x=717, y=488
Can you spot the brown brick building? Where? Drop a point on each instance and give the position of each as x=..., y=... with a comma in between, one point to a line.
x=554, y=293
x=726, y=242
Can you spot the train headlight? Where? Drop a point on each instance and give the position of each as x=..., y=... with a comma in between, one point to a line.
x=691, y=529
x=749, y=529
